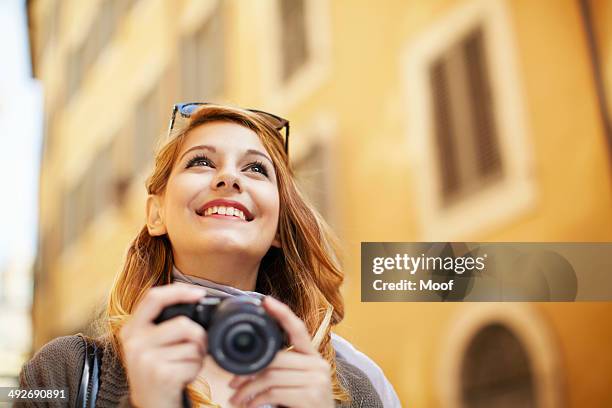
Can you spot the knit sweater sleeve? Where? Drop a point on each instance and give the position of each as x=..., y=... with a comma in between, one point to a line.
x=58, y=364
x=358, y=385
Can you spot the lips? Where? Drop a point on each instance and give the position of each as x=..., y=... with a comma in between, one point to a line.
x=225, y=203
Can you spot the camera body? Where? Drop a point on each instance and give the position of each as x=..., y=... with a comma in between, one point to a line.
x=242, y=337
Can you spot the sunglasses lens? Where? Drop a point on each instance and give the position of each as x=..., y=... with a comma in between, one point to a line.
x=189, y=108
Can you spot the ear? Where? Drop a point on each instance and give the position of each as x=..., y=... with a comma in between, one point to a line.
x=155, y=221
x=276, y=242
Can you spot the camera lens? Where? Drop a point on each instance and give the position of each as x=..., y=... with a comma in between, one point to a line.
x=243, y=343
x=242, y=338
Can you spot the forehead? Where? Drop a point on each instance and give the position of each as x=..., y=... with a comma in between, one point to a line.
x=225, y=136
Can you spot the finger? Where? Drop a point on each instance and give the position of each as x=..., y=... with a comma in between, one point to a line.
x=182, y=372
x=269, y=379
x=291, y=360
x=238, y=380
x=159, y=297
x=291, y=397
x=182, y=352
x=286, y=360
x=295, y=328
x=177, y=330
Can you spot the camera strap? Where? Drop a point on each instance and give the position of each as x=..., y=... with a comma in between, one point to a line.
x=90, y=378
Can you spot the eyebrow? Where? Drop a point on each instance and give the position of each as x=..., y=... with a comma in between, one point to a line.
x=212, y=149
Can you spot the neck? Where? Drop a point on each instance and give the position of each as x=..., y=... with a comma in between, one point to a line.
x=224, y=268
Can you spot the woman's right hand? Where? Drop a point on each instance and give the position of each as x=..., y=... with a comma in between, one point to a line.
x=161, y=360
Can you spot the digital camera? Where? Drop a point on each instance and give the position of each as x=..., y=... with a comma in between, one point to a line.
x=242, y=337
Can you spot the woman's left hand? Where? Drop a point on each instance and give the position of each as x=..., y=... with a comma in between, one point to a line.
x=297, y=378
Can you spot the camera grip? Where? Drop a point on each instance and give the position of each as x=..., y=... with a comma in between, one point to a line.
x=180, y=309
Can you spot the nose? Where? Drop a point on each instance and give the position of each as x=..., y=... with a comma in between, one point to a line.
x=226, y=180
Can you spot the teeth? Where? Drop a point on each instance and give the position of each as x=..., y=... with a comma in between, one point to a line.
x=225, y=211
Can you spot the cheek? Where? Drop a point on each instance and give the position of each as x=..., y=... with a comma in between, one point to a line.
x=179, y=194
x=267, y=200
x=274, y=205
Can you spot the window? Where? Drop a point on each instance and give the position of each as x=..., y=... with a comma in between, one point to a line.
x=86, y=197
x=76, y=66
x=148, y=126
x=77, y=211
x=468, y=146
x=68, y=209
x=122, y=150
x=497, y=371
x=314, y=163
x=465, y=129
x=51, y=245
x=203, y=60
x=99, y=35
x=90, y=197
x=295, y=52
x=101, y=173
x=312, y=176
x=294, y=39
x=104, y=26
x=499, y=355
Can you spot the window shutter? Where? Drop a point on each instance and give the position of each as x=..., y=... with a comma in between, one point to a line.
x=203, y=61
x=489, y=159
x=464, y=122
x=444, y=131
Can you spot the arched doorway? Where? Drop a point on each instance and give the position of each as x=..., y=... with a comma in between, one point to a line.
x=499, y=355
x=496, y=371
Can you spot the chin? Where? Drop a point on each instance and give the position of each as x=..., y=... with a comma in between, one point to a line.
x=225, y=243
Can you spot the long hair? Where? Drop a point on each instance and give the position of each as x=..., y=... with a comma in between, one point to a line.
x=304, y=273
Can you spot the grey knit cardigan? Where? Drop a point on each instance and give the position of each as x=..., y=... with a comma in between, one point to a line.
x=59, y=364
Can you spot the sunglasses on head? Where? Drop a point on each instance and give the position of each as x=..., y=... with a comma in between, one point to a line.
x=185, y=110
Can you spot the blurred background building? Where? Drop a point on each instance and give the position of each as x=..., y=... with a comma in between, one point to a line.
x=446, y=120
x=20, y=140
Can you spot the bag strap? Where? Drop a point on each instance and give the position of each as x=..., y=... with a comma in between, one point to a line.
x=90, y=378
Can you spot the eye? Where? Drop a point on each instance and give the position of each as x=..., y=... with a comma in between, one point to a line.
x=258, y=167
x=199, y=160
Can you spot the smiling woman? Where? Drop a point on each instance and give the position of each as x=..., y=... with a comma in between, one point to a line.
x=223, y=214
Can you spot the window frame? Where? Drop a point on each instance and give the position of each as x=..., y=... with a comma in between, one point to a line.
x=529, y=327
x=320, y=132
x=197, y=18
x=285, y=95
x=515, y=193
